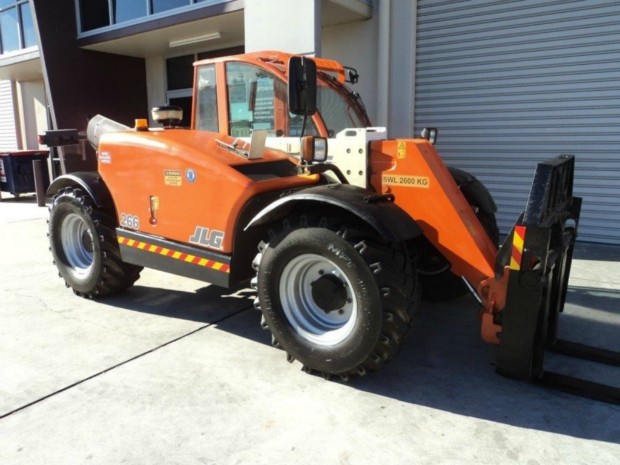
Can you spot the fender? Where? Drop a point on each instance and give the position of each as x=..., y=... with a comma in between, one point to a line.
x=90, y=181
x=388, y=219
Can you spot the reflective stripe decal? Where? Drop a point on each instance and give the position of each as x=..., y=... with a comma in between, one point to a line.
x=217, y=266
x=517, y=247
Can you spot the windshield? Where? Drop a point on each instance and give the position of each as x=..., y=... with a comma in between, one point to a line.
x=257, y=99
x=338, y=110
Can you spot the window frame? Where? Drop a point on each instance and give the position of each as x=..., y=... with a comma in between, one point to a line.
x=21, y=37
x=150, y=15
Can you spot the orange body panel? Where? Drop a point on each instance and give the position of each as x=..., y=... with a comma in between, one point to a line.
x=412, y=170
x=169, y=183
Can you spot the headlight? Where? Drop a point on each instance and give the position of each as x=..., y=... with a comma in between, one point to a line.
x=314, y=149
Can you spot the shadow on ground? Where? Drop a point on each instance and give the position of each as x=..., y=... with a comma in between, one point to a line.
x=201, y=305
x=444, y=365
x=598, y=252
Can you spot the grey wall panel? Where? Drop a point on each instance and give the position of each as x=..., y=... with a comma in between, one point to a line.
x=511, y=83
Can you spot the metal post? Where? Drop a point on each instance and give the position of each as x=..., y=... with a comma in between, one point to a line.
x=38, y=182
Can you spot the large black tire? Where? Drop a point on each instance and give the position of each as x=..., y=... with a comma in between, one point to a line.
x=444, y=285
x=337, y=298
x=85, y=248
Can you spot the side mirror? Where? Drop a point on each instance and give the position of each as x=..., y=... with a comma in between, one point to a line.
x=430, y=134
x=302, y=86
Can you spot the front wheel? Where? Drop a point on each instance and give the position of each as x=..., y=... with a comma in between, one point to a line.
x=84, y=246
x=340, y=300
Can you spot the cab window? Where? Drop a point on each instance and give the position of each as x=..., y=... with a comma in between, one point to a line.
x=258, y=100
x=336, y=110
x=206, y=106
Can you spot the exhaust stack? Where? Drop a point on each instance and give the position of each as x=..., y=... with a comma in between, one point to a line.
x=100, y=125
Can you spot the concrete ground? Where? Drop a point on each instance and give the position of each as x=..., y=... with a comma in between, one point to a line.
x=178, y=372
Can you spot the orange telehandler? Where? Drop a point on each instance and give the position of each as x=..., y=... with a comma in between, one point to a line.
x=282, y=182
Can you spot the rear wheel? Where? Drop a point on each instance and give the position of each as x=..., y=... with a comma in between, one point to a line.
x=84, y=246
x=338, y=299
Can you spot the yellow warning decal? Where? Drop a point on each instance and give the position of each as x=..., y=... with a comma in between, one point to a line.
x=406, y=181
x=172, y=178
x=401, y=149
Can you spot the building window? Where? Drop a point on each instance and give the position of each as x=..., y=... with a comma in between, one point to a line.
x=179, y=78
x=16, y=27
x=96, y=14
x=164, y=5
x=28, y=33
x=180, y=72
x=126, y=10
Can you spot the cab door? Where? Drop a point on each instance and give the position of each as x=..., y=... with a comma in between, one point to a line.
x=253, y=99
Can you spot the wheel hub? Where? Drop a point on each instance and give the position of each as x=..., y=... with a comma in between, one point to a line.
x=87, y=242
x=317, y=299
x=329, y=293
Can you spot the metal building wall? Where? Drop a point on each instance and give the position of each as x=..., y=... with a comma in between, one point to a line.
x=509, y=83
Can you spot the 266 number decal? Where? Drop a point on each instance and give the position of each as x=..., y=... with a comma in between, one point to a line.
x=130, y=221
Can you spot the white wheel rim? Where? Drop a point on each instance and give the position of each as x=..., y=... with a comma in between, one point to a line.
x=308, y=319
x=77, y=244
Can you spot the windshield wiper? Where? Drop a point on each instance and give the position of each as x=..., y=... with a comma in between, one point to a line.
x=234, y=148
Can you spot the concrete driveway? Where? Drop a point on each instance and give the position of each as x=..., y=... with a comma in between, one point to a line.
x=178, y=372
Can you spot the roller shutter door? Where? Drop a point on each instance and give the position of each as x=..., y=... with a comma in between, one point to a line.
x=7, y=118
x=510, y=83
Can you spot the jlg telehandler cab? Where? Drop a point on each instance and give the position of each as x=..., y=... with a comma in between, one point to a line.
x=282, y=181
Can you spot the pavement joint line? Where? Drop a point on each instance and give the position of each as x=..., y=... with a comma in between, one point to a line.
x=25, y=220
x=118, y=365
